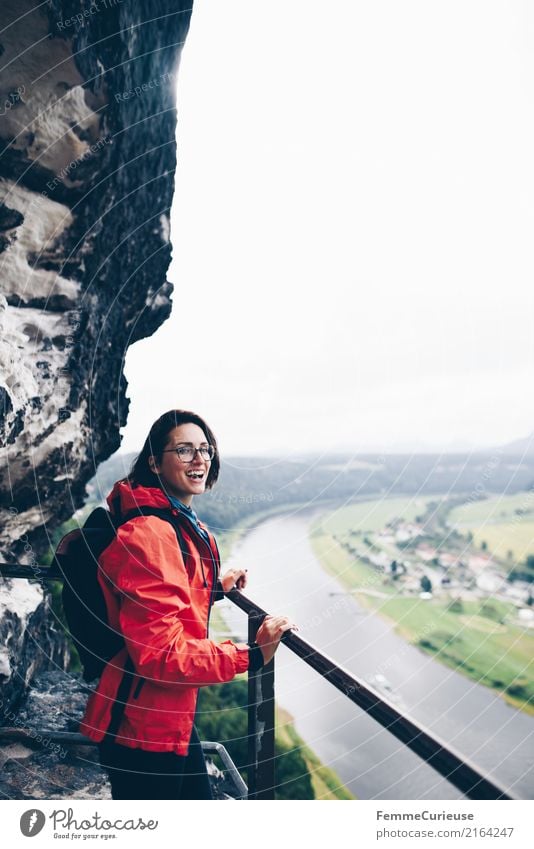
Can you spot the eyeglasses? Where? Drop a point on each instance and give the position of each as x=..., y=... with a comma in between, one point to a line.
x=187, y=453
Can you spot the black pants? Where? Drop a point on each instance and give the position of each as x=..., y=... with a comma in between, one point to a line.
x=137, y=774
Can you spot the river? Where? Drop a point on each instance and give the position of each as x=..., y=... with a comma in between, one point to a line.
x=286, y=577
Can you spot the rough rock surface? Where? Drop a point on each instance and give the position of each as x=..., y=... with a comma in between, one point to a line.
x=41, y=768
x=29, y=641
x=87, y=159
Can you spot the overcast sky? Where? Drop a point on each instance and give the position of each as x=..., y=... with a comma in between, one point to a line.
x=352, y=228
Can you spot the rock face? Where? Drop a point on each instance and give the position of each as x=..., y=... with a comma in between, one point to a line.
x=30, y=641
x=40, y=767
x=87, y=159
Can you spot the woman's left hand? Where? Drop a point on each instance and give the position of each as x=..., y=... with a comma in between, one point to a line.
x=234, y=577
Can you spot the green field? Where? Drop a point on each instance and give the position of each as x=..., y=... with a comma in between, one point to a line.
x=504, y=523
x=478, y=638
x=508, y=541
x=497, y=508
x=373, y=515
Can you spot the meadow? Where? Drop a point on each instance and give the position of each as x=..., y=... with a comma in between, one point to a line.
x=502, y=524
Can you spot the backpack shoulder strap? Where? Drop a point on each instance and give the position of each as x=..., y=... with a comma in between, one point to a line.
x=161, y=513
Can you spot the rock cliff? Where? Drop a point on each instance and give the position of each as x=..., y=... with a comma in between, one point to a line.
x=87, y=160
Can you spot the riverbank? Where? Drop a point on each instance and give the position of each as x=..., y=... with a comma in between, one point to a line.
x=286, y=576
x=228, y=538
x=326, y=784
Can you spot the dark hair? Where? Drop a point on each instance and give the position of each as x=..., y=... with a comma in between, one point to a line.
x=156, y=441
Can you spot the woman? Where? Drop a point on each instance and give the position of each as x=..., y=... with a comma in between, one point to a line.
x=159, y=581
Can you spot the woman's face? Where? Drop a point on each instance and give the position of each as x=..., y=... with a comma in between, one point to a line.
x=184, y=480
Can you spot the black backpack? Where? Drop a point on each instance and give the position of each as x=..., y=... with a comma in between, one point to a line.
x=84, y=605
x=83, y=601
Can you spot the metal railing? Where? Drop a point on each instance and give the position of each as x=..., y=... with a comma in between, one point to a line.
x=445, y=760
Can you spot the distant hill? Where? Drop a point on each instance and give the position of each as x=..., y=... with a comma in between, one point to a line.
x=248, y=485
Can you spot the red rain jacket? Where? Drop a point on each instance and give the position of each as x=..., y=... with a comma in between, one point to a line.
x=161, y=606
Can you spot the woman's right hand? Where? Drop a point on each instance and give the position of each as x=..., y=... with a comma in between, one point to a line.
x=270, y=633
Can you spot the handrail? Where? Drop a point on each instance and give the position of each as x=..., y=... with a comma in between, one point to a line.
x=444, y=759
x=450, y=764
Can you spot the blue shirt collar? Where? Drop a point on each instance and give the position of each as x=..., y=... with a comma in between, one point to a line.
x=183, y=507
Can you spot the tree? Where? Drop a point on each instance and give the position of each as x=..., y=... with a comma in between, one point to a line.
x=426, y=584
x=222, y=716
x=523, y=572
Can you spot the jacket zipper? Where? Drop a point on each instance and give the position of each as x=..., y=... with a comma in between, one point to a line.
x=213, y=588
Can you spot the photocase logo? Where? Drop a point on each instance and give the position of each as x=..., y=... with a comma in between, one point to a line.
x=31, y=822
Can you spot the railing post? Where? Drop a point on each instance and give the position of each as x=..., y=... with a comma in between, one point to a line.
x=261, y=778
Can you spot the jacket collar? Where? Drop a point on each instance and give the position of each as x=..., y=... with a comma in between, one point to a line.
x=127, y=496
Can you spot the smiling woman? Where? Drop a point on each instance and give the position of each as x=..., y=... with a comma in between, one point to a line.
x=160, y=577
x=185, y=471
